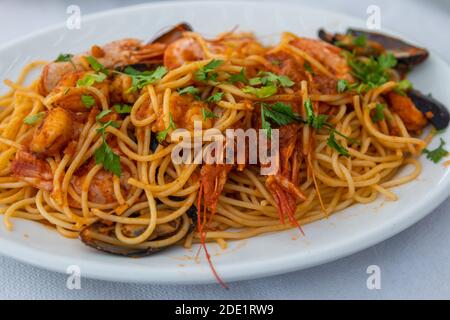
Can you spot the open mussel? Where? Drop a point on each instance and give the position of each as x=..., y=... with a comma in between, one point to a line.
x=433, y=110
x=367, y=43
x=94, y=235
x=169, y=35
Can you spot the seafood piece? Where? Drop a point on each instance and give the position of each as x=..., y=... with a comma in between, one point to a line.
x=53, y=133
x=433, y=110
x=376, y=44
x=213, y=178
x=87, y=236
x=73, y=100
x=406, y=109
x=182, y=51
x=328, y=55
x=37, y=172
x=172, y=34
x=282, y=185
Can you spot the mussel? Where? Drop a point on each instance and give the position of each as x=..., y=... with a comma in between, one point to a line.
x=407, y=55
x=433, y=110
x=89, y=236
x=171, y=34
x=375, y=44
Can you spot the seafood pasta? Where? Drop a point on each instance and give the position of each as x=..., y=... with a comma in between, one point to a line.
x=87, y=147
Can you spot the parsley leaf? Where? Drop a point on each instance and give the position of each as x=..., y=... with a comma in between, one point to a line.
x=89, y=79
x=271, y=79
x=208, y=114
x=206, y=73
x=239, y=77
x=360, y=41
x=308, y=67
x=140, y=79
x=279, y=113
x=191, y=90
x=437, y=154
x=372, y=72
x=161, y=136
x=102, y=114
x=122, y=108
x=64, y=57
x=403, y=86
x=342, y=86
x=263, y=92
x=104, y=154
x=87, y=100
x=97, y=66
x=216, y=97
x=332, y=143
x=32, y=119
x=379, y=114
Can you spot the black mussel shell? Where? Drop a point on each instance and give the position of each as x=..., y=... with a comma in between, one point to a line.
x=171, y=34
x=434, y=110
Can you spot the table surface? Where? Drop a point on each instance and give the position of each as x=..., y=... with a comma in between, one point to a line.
x=415, y=264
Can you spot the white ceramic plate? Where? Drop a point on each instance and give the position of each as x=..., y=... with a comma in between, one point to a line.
x=345, y=233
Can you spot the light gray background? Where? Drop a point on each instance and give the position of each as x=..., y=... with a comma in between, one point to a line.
x=414, y=264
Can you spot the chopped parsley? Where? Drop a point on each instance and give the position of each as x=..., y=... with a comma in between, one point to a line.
x=262, y=92
x=372, y=72
x=32, y=119
x=191, y=90
x=319, y=122
x=403, y=86
x=379, y=114
x=342, y=86
x=437, y=154
x=308, y=67
x=87, y=100
x=208, y=114
x=102, y=114
x=122, y=108
x=104, y=154
x=279, y=113
x=269, y=78
x=140, y=79
x=207, y=73
x=360, y=41
x=89, y=79
x=96, y=66
x=216, y=97
x=239, y=77
x=332, y=143
x=64, y=57
x=161, y=136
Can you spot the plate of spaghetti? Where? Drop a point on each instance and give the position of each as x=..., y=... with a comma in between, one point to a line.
x=211, y=146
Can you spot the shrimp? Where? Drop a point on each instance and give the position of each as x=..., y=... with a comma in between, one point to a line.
x=185, y=109
x=73, y=100
x=327, y=54
x=213, y=178
x=182, y=51
x=53, y=133
x=282, y=184
x=406, y=109
x=29, y=168
x=112, y=55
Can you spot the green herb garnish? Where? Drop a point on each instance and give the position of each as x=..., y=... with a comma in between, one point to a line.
x=89, y=79
x=239, y=77
x=437, y=154
x=87, y=100
x=64, y=57
x=208, y=114
x=140, y=79
x=379, y=114
x=122, y=108
x=97, y=66
x=161, y=136
x=30, y=120
x=206, y=73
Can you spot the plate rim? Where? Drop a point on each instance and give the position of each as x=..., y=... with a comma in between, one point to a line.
x=23, y=253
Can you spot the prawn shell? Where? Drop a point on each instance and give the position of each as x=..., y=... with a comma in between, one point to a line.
x=440, y=116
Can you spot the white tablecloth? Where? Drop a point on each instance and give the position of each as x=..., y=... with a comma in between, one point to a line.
x=414, y=264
